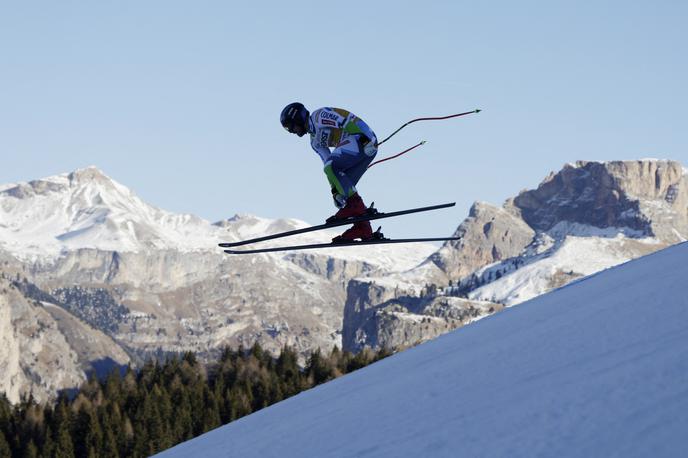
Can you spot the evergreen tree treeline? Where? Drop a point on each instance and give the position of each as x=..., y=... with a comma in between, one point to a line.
x=141, y=413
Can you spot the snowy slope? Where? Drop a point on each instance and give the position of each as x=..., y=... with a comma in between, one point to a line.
x=577, y=255
x=596, y=368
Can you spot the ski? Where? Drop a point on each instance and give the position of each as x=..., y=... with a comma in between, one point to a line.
x=339, y=244
x=373, y=215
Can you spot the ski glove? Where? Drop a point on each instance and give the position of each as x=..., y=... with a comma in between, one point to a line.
x=339, y=200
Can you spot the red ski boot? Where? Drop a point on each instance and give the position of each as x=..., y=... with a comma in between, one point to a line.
x=360, y=230
x=354, y=207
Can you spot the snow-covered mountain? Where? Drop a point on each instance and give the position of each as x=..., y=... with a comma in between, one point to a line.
x=596, y=368
x=156, y=282
x=580, y=220
x=86, y=209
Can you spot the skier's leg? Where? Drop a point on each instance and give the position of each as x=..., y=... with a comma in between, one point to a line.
x=349, y=163
x=355, y=172
x=350, y=159
x=345, y=156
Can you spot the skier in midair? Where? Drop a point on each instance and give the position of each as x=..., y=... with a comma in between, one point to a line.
x=355, y=147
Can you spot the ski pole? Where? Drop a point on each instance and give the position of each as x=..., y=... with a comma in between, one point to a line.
x=427, y=119
x=397, y=155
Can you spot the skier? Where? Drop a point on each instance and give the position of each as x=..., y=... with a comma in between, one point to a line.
x=355, y=147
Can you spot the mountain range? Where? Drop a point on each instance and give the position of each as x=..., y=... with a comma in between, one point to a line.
x=146, y=282
x=93, y=278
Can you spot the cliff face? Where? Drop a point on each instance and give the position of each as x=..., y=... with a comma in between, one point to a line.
x=584, y=218
x=649, y=197
x=489, y=234
x=382, y=317
x=35, y=357
x=169, y=301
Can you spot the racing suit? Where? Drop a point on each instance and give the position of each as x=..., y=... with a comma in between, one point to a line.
x=354, y=143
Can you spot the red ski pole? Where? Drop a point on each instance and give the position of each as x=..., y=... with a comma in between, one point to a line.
x=427, y=119
x=397, y=155
x=421, y=143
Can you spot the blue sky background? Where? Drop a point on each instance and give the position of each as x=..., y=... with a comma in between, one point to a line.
x=180, y=100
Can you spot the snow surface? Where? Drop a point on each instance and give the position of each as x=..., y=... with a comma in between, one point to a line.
x=578, y=255
x=596, y=368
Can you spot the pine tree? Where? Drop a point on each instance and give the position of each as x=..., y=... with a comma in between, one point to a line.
x=164, y=405
x=5, y=412
x=257, y=351
x=196, y=403
x=5, y=451
x=261, y=393
x=113, y=386
x=142, y=446
x=94, y=435
x=319, y=368
x=287, y=369
x=48, y=446
x=212, y=411
x=183, y=425
x=126, y=440
x=64, y=447
x=276, y=393
x=240, y=404
x=88, y=436
x=361, y=359
x=30, y=451
x=190, y=358
x=109, y=448
x=153, y=422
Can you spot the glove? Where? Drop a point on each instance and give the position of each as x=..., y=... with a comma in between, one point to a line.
x=339, y=200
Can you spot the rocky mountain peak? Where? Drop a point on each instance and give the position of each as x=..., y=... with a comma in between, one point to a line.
x=90, y=173
x=644, y=198
x=638, y=195
x=89, y=177
x=489, y=234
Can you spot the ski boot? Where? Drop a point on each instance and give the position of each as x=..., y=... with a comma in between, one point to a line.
x=354, y=207
x=360, y=230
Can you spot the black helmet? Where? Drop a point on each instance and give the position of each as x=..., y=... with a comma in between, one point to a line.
x=294, y=114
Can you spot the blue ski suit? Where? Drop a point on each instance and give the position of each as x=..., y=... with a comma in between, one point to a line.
x=354, y=143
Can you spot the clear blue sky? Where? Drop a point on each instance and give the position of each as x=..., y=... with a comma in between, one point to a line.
x=180, y=100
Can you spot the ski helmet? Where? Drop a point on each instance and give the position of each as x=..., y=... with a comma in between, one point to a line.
x=293, y=115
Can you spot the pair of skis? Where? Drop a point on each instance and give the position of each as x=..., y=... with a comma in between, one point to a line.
x=373, y=214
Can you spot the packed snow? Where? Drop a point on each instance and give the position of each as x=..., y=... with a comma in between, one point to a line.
x=596, y=368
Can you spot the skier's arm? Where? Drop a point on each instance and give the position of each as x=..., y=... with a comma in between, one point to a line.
x=319, y=140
